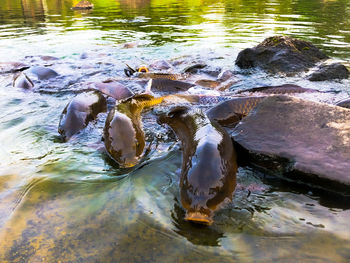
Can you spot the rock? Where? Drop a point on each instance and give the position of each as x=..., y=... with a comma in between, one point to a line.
x=281, y=54
x=329, y=72
x=344, y=103
x=83, y=5
x=298, y=140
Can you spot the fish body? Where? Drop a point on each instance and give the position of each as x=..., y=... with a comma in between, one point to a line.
x=228, y=113
x=79, y=112
x=123, y=134
x=208, y=173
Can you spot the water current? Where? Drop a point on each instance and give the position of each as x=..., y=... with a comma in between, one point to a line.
x=68, y=202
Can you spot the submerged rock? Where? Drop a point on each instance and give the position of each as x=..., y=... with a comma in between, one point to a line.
x=329, y=72
x=79, y=112
x=298, y=140
x=281, y=54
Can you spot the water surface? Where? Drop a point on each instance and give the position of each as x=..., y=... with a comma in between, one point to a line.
x=68, y=202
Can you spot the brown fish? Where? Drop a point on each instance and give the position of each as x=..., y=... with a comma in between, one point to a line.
x=123, y=135
x=281, y=89
x=167, y=85
x=230, y=112
x=79, y=112
x=113, y=89
x=208, y=174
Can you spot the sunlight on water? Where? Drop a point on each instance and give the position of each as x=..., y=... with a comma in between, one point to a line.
x=69, y=202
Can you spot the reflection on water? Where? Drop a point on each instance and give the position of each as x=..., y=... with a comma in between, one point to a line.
x=69, y=202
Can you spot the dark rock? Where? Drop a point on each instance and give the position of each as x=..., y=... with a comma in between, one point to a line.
x=299, y=140
x=344, y=103
x=281, y=89
x=329, y=72
x=281, y=54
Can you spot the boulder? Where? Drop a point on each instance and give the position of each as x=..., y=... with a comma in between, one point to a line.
x=281, y=54
x=329, y=72
x=298, y=140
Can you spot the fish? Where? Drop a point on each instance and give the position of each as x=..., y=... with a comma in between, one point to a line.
x=209, y=165
x=82, y=109
x=123, y=135
x=228, y=113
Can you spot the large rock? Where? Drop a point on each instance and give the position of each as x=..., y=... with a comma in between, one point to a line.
x=281, y=54
x=329, y=72
x=299, y=140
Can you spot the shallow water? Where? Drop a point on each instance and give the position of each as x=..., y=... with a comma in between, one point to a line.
x=68, y=202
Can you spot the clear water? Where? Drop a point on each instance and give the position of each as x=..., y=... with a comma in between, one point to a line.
x=67, y=202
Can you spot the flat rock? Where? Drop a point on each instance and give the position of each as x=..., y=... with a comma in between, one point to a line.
x=281, y=54
x=329, y=72
x=298, y=140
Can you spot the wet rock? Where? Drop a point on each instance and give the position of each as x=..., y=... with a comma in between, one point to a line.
x=344, y=103
x=42, y=73
x=79, y=112
x=22, y=81
x=83, y=5
x=298, y=140
x=10, y=67
x=281, y=89
x=113, y=89
x=329, y=72
x=281, y=54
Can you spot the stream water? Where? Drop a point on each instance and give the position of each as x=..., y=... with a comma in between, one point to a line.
x=68, y=202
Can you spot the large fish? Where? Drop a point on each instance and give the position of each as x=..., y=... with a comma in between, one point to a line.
x=123, y=134
x=208, y=174
x=79, y=112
